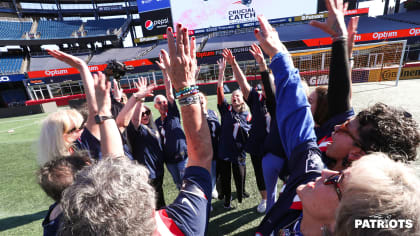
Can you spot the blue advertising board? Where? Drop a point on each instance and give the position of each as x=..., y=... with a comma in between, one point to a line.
x=11, y=78
x=151, y=5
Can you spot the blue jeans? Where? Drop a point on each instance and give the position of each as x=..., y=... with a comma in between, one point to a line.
x=272, y=166
x=177, y=171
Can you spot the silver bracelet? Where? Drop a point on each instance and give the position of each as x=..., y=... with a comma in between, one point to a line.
x=186, y=101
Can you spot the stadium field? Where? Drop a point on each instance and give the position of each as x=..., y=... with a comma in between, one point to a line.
x=23, y=204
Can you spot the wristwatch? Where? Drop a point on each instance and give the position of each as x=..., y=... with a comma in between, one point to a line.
x=100, y=119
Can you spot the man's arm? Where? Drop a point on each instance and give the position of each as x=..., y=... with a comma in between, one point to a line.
x=166, y=80
x=111, y=143
x=237, y=72
x=182, y=73
x=124, y=117
x=88, y=85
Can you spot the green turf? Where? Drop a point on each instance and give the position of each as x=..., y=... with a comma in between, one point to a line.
x=23, y=204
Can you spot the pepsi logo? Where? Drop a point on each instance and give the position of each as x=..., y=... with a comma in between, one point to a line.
x=149, y=25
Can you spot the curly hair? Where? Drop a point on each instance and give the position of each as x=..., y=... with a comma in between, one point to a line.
x=56, y=175
x=112, y=197
x=381, y=188
x=390, y=130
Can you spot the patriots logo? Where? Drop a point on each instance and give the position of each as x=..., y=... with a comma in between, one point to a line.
x=313, y=163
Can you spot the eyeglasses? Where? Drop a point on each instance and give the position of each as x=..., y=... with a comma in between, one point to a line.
x=82, y=126
x=344, y=128
x=335, y=179
x=160, y=102
x=146, y=113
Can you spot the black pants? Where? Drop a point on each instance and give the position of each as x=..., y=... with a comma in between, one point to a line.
x=259, y=177
x=157, y=184
x=239, y=173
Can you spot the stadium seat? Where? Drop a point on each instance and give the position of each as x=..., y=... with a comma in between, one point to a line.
x=14, y=29
x=57, y=29
x=10, y=64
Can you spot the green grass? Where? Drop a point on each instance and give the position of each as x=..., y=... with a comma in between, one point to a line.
x=23, y=204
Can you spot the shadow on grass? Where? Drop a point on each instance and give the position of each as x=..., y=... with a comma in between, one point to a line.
x=16, y=221
x=229, y=221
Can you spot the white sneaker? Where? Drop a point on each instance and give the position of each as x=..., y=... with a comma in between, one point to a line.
x=262, y=206
x=214, y=194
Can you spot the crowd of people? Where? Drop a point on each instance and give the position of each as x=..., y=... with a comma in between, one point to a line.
x=104, y=169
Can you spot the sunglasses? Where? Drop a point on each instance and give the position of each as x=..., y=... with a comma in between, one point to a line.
x=75, y=129
x=146, y=113
x=344, y=129
x=160, y=102
x=335, y=179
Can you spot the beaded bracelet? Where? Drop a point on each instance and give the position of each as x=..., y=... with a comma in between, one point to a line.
x=186, y=91
x=189, y=93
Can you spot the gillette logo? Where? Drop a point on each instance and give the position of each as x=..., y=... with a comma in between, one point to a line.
x=156, y=23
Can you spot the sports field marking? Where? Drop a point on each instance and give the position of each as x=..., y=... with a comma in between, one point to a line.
x=9, y=121
x=18, y=127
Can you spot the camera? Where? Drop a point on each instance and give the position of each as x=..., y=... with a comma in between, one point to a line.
x=116, y=69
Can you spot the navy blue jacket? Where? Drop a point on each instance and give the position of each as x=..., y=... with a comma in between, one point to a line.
x=172, y=136
x=214, y=126
x=259, y=123
x=234, y=134
x=146, y=149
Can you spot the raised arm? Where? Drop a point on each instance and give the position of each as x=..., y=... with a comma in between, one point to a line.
x=293, y=115
x=111, y=143
x=220, y=93
x=266, y=79
x=166, y=80
x=339, y=85
x=181, y=66
x=88, y=85
x=124, y=117
x=237, y=72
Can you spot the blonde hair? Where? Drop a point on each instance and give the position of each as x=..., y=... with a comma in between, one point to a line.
x=51, y=142
x=379, y=187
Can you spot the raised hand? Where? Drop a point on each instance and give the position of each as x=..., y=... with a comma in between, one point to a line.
x=143, y=89
x=268, y=38
x=161, y=64
x=102, y=88
x=335, y=25
x=352, y=31
x=116, y=91
x=67, y=58
x=222, y=64
x=258, y=56
x=228, y=56
x=180, y=63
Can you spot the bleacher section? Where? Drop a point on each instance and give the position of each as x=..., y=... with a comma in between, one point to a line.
x=57, y=29
x=48, y=62
x=10, y=64
x=100, y=27
x=13, y=29
x=120, y=54
x=286, y=32
x=412, y=17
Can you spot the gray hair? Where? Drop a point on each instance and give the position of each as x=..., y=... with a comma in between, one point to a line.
x=158, y=96
x=112, y=197
x=378, y=187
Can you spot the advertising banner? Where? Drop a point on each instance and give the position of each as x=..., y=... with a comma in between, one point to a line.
x=388, y=74
x=11, y=78
x=202, y=14
x=384, y=35
x=72, y=71
x=151, y=5
x=155, y=22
